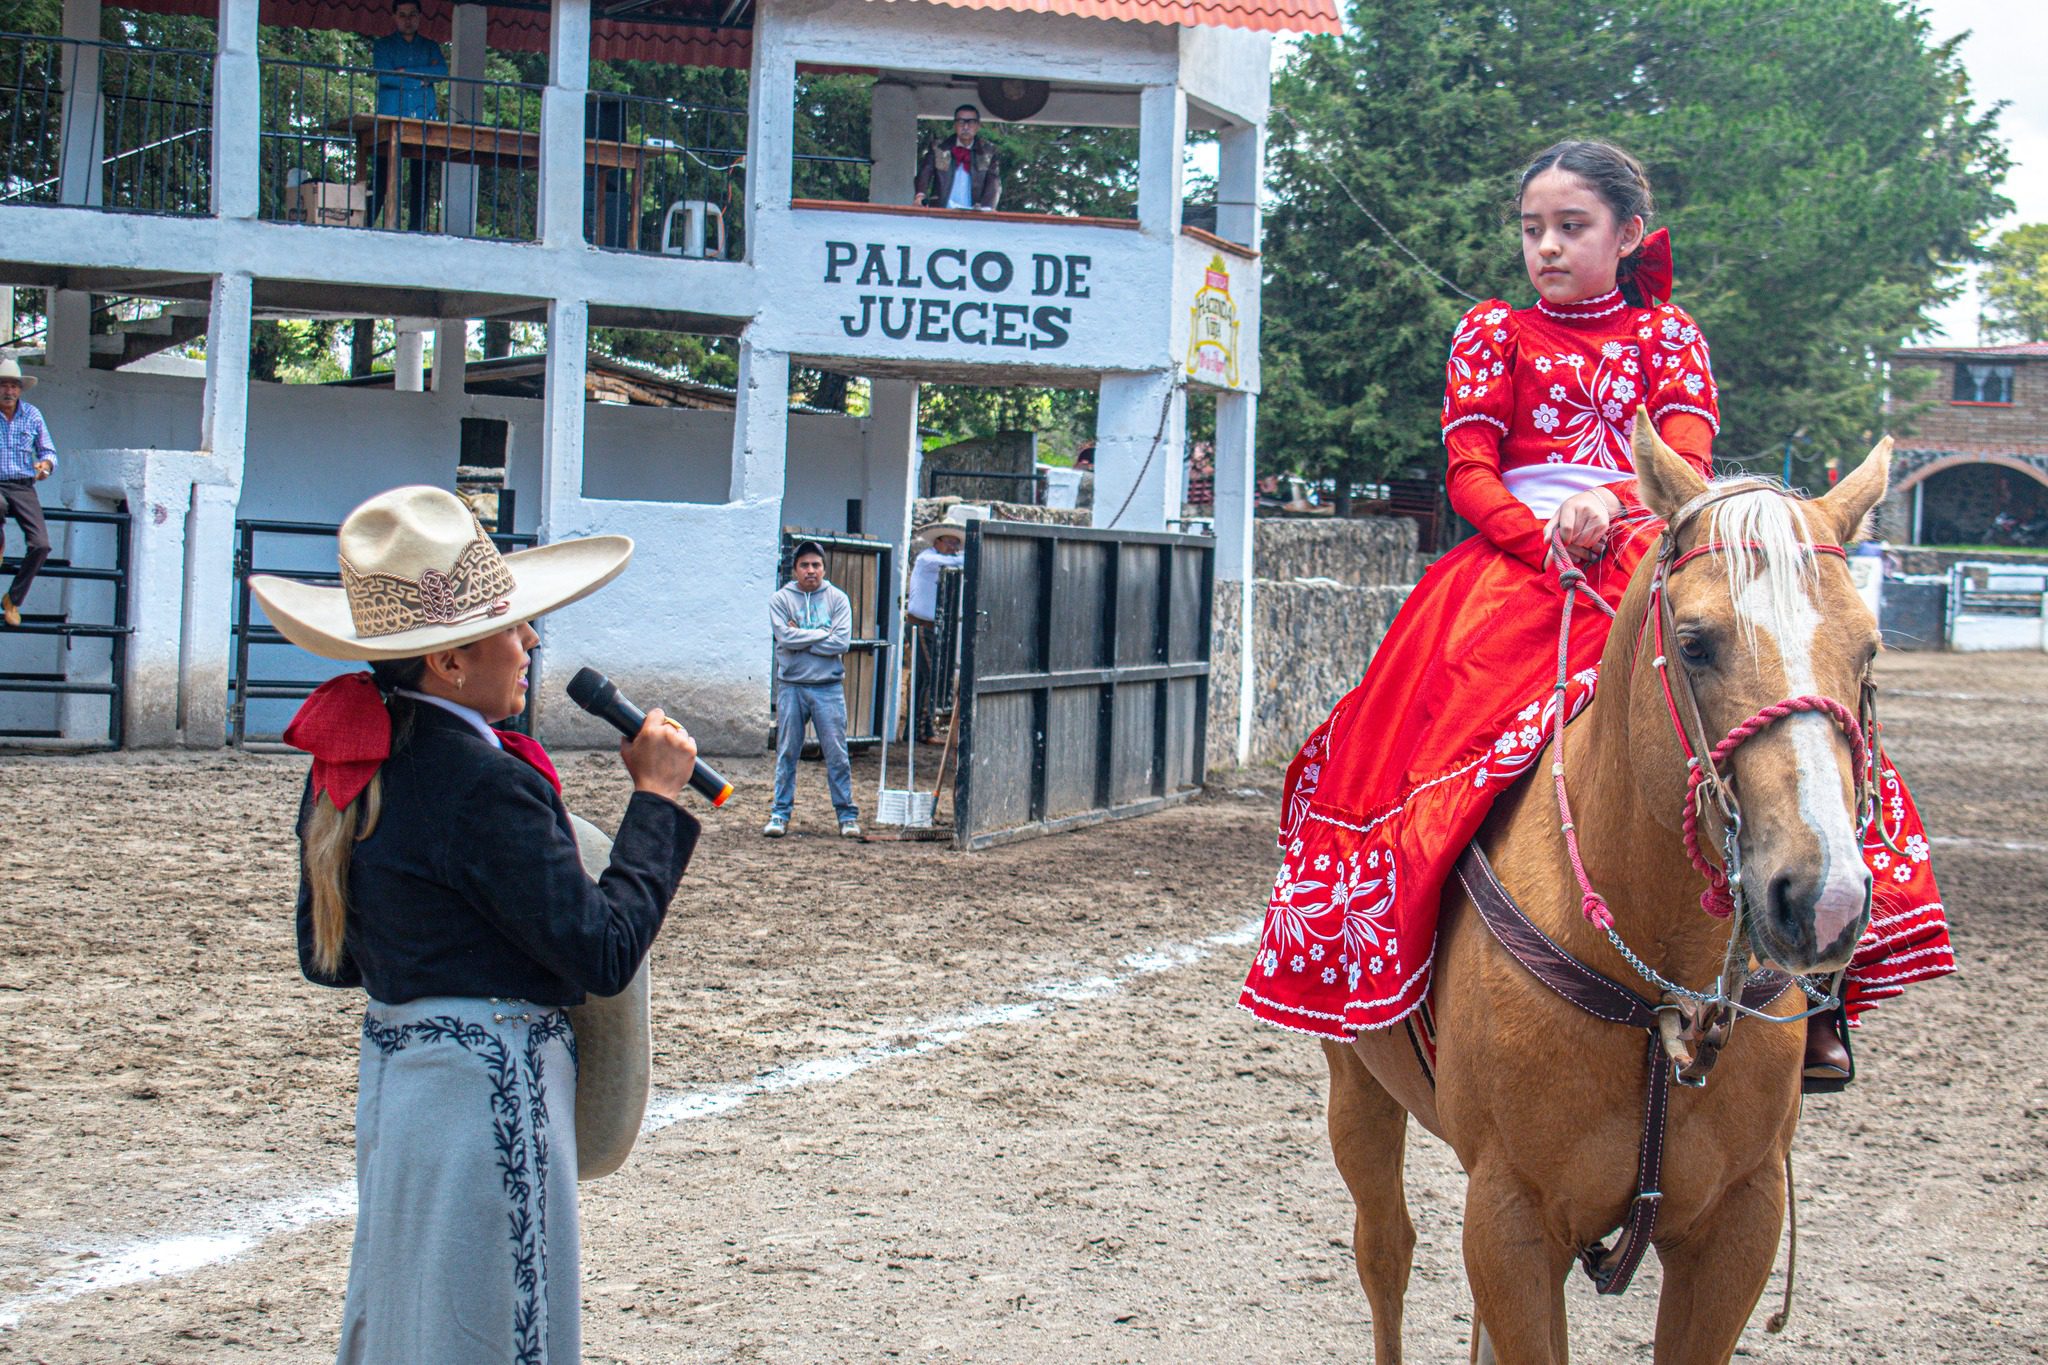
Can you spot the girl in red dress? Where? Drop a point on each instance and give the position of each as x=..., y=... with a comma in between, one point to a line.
x=1455, y=706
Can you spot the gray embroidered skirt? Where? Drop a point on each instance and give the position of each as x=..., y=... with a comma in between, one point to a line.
x=466, y=1245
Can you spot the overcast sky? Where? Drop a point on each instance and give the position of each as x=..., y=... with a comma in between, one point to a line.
x=2005, y=55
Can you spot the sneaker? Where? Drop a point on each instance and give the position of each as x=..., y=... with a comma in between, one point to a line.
x=777, y=826
x=849, y=829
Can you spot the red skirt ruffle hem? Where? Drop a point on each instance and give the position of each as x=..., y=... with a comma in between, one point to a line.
x=1386, y=793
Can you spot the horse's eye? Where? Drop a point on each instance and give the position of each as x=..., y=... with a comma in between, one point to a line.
x=1695, y=650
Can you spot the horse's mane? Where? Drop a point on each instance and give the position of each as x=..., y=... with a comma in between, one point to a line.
x=1765, y=531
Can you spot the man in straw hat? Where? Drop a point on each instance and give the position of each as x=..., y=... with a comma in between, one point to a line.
x=26, y=457
x=939, y=546
x=439, y=874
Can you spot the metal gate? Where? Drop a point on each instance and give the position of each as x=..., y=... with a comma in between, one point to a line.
x=295, y=673
x=1084, y=677
x=62, y=625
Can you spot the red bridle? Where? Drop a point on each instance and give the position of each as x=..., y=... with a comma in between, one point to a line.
x=1719, y=897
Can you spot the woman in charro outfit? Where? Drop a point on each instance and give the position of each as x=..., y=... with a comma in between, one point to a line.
x=439, y=874
x=1385, y=794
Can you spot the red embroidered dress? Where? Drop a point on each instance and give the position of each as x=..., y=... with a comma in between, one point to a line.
x=1456, y=704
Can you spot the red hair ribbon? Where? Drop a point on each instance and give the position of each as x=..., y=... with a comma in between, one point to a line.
x=1652, y=277
x=347, y=730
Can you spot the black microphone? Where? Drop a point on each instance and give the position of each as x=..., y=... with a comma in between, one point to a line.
x=600, y=696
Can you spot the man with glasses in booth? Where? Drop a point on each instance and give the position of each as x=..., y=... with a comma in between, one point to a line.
x=961, y=171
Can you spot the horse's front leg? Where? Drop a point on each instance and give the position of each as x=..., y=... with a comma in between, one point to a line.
x=1517, y=1272
x=1714, y=1276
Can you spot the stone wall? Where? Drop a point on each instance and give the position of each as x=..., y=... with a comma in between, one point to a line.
x=1325, y=594
x=933, y=509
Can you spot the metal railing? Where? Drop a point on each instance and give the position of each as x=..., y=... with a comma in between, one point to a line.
x=145, y=145
x=353, y=147
x=249, y=632
x=60, y=625
x=663, y=177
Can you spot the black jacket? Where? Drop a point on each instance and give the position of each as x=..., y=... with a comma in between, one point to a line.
x=471, y=884
x=984, y=173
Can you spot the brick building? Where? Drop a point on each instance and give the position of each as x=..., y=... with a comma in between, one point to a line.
x=1972, y=461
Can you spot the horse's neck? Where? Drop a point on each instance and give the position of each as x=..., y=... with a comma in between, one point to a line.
x=1633, y=859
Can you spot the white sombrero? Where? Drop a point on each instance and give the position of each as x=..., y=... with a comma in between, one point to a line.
x=419, y=573
x=10, y=368
x=954, y=523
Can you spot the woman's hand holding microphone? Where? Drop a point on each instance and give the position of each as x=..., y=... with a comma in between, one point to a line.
x=661, y=757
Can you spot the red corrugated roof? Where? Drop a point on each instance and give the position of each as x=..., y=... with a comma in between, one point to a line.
x=1279, y=16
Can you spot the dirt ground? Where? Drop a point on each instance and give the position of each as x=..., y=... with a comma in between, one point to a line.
x=935, y=1107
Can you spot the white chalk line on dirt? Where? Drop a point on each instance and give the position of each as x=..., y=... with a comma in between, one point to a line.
x=241, y=1230
x=2003, y=845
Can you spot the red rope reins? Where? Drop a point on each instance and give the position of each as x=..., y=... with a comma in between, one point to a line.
x=1718, y=899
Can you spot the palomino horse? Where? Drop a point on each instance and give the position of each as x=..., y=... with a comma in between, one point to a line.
x=1542, y=1102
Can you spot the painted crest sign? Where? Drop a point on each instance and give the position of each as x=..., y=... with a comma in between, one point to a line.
x=1212, y=329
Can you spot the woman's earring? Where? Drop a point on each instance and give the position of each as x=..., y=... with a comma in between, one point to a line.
x=459, y=680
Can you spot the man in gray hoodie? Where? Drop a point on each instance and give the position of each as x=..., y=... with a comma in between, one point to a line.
x=812, y=623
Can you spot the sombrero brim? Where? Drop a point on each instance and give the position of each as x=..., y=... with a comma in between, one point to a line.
x=929, y=536
x=546, y=578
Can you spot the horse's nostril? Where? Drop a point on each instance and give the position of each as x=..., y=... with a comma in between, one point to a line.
x=1788, y=917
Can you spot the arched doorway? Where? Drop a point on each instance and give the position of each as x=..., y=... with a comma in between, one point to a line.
x=1979, y=501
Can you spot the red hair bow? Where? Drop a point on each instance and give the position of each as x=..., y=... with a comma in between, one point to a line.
x=347, y=730
x=1652, y=276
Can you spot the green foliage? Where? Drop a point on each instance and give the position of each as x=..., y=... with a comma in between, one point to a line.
x=1819, y=162
x=2016, y=283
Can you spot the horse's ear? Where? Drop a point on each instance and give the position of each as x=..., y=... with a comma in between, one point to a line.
x=1665, y=480
x=1851, y=500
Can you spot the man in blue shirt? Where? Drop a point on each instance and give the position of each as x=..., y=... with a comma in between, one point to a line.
x=408, y=68
x=27, y=456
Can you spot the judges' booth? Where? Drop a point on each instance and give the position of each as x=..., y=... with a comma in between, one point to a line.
x=861, y=568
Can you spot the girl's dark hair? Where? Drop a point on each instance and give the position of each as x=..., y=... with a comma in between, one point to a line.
x=1615, y=176
x=392, y=674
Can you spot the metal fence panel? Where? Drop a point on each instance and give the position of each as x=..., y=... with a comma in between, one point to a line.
x=1084, y=678
x=108, y=588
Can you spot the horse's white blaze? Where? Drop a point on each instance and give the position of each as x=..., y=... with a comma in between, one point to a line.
x=1794, y=625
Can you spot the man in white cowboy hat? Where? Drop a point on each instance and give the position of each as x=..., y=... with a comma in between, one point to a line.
x=939, y=546
x=812, y=623
x=26, y=456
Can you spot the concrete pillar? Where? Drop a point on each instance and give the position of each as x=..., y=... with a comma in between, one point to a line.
x=886, y=502
x=161, y=489
x=1240, y=170
x=83, y=118
x=1140, y=427
x=451, y=355
x=1162, y=138
x=561, y=119
x=237, y=113
x=6, y=313
x=409, y=355
x=892, y=142
x=771, y=134
x=466, y=55
x=67, y=332
x=1236, y=560
x=561, y=438
x=210, y=517
x=760, y=428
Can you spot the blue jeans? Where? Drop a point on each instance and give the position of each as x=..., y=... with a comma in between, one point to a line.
x=824, y=706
